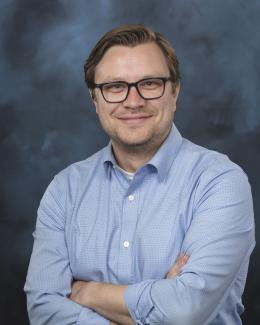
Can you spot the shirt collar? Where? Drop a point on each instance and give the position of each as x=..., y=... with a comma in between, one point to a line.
x=163, y=158
x=108, y=156
x=165, y=155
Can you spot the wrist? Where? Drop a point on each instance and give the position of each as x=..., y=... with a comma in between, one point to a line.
x=84, y=293
x=92, y=294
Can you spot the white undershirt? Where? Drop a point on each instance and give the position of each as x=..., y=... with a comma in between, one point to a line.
x=127, y=174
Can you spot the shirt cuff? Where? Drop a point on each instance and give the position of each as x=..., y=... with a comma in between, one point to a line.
x=138, y=301
x=89, y=317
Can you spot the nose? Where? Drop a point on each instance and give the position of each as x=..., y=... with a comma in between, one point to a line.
x=133, y=100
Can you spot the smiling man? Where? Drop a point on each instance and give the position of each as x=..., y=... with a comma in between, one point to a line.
x=136, y=112
x=152, y=229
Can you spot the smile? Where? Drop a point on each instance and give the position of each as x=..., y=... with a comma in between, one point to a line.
x=134, y=120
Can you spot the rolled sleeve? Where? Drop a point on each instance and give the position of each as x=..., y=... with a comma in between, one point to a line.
x=138, y=301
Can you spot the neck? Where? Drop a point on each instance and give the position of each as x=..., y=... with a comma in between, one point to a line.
x=131, y=158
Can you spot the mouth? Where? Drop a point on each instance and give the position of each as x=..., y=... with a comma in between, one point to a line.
x=134, y=120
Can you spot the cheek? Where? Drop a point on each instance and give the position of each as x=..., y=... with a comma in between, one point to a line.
x=101, y=113
x=101, y=108
x=105, y=114
x=168, y=109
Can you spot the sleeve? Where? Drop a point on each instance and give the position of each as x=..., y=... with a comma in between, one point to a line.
x=218, y=242
x=49, y=277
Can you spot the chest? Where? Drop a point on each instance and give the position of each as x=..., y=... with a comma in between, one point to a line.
x=126, y=234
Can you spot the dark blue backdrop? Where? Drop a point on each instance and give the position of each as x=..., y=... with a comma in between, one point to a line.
x=47, y=120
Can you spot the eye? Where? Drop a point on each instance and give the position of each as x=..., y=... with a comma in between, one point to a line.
x=114, y=87
x=151, y=83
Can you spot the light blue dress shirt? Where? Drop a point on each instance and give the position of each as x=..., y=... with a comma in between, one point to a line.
x=95, y=224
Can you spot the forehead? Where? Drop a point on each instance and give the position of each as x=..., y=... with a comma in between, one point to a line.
x=131, y=63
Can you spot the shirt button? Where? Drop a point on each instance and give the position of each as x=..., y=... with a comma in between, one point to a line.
x=131, y=198
x=126, y=243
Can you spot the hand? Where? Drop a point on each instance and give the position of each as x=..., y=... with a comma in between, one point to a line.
x=176, y=268
x=80, y=292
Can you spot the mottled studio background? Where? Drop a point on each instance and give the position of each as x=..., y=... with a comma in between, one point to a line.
x=47, y=120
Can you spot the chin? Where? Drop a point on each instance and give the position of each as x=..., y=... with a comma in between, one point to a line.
x=135, y=136
x=134, y=143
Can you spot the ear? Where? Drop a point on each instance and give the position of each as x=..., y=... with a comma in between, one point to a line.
x=176, y=90
x=92, y=95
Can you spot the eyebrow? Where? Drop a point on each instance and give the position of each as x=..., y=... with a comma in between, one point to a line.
x=113, y=79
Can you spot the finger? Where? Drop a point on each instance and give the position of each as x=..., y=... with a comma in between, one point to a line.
x=177, y=267
x=175, y=271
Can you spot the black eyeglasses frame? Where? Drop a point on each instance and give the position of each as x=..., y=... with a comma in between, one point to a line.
x=129, y=85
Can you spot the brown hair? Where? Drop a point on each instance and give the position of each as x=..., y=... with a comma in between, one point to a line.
x=130, y=35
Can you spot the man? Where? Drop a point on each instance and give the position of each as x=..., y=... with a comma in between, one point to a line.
x=152, y=229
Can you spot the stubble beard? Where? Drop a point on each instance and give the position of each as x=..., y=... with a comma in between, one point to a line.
x=150, y=143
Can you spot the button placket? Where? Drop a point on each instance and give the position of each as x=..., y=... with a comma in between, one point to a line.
x=129, y=219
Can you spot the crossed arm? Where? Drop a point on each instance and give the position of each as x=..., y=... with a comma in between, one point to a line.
x=218, y=243
x=108, y=299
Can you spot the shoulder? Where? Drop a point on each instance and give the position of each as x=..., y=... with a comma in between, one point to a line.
x=206, y=160
x=81, y=169
x=204, y=168
x=69, y=180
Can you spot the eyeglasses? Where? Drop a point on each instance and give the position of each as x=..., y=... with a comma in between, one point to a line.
x=118, y=91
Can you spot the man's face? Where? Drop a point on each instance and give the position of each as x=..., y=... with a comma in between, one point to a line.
x=136, y=122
